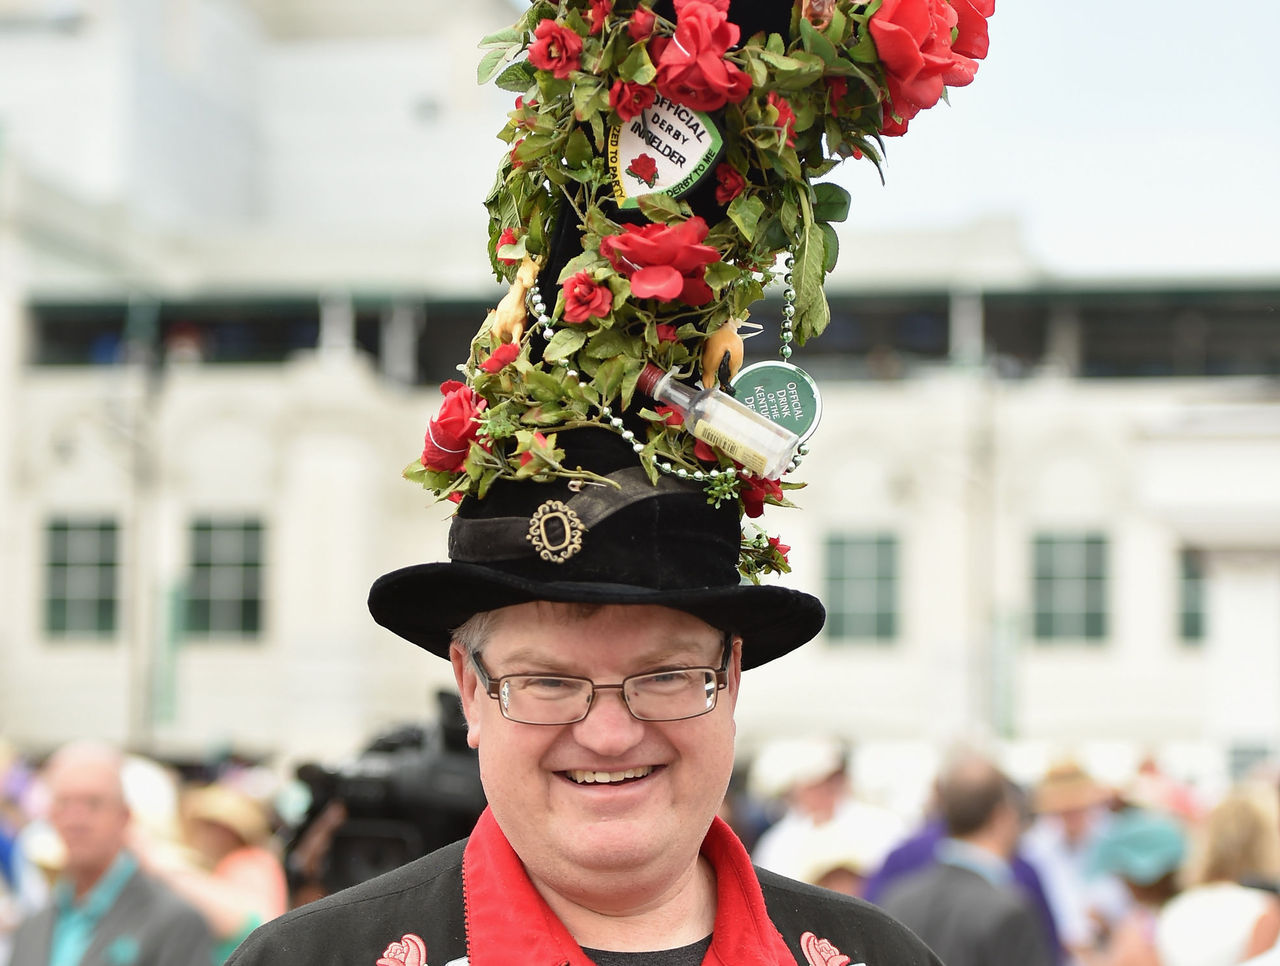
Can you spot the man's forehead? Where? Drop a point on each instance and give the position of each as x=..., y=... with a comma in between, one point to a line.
x=645, y=633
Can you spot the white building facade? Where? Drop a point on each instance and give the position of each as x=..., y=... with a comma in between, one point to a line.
x=1054, y=557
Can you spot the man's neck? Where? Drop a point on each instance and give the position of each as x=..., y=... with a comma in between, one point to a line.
x=680, y=914
x=84, y=878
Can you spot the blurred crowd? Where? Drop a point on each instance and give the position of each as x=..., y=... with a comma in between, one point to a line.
x=180, y=863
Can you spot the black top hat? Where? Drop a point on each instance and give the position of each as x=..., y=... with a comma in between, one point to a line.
x=620, y=541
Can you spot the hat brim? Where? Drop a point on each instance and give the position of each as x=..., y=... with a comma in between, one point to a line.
x=426, y=602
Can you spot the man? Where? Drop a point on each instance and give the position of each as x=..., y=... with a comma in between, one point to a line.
x=104, y=911
x=919, y=851
x=600, y=693
x=593, y=607
x=822, y=816
x=967, y=906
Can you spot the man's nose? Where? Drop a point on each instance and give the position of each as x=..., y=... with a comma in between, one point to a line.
x=609, y=727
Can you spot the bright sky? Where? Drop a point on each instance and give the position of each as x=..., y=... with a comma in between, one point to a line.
x=1127, y=139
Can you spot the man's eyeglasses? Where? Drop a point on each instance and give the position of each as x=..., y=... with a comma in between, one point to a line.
x=557, y=699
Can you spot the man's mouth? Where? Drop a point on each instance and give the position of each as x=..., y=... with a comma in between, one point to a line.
x=581, y=777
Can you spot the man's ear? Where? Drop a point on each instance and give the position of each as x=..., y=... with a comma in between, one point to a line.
x=468, y=690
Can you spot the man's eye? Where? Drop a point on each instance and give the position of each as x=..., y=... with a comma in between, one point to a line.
x=550, y=686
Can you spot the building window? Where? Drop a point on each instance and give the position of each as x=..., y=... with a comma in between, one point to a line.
x=1071, y=586
x=862, y=586
x=224, y=589
x=1191, y=596
x=80, y=593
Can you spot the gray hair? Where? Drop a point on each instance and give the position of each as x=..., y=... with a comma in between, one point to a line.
x=477, y=630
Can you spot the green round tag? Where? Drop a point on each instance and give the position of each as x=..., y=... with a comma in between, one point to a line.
x=784, y=393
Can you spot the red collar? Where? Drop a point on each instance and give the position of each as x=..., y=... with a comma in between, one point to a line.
x=507, y=920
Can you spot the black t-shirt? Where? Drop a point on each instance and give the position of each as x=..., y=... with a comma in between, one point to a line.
x=683, y=956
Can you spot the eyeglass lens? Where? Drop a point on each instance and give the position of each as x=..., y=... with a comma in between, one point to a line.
x=660, y=696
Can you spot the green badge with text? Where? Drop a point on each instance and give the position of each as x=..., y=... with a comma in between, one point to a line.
x=784, y=393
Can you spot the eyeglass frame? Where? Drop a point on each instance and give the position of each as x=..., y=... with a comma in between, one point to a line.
x=493, y=687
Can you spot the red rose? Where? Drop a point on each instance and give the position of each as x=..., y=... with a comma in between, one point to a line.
x=599, y=13
x=451, y=430
x=516, y=162
x=670, y=415
x=666, y=262
x=630, y=99
x=837, y=90
x=585, y=298
x=782, y=548
x=786, y=117
x=971, y=41
x=913, y=39
x=667, y=332
x=508, y=237
x=754, y=491
x=705, y=453
x=555, y=48
x=729, y=183
x=640, y=26
x=691, y=67
x=643, y=168
x=501, y=357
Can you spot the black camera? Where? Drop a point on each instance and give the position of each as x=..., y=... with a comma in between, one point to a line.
x=411, y=791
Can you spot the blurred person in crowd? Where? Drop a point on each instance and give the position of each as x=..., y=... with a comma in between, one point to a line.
x=231, y=875
x=23, y=886
x=810, y=777
x=1219, y=920
x=834, y=861
x=1145, y=850
x=104, y=910
x=1071, y=810
x=967, y=906
x=919, y=851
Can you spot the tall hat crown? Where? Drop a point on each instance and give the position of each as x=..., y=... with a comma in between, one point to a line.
x=663, y=170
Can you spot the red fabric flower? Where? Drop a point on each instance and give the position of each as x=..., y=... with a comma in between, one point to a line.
x=913, y=39
x=786, y=117
x=501, y=357
x=671, y=416
x=782, y=548
x=640, y=26
x=600, y=10
x=729, y=183
x=691, y=67
x=643, y=168
x=971, y=41
x=667, y=332
x=556, y=48
x=703, y=451
x=630, y=99
x=837, y=90
x=451, y=430
x=585, y=298
x=665, y=262
x=754, y=491
x=508, y=237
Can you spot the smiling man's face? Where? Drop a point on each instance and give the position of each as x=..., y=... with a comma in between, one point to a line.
x=646, y=826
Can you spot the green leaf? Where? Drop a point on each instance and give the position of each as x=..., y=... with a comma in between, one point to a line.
x=578, y=150
x=817, y=43
x=745, y=211
x=638, y=68
x=812, y=312
x=518, y=77
x=503, y=38
x=564, y=344
x=608, y=378
x=720, y=274
x=831, y=202
x=663, y=208
x=492, y=62
x=612, y=342
x=832, y=245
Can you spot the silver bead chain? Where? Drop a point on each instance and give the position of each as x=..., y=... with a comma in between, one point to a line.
x=543, y=320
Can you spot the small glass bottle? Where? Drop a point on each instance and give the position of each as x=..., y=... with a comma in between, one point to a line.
x=755, y=441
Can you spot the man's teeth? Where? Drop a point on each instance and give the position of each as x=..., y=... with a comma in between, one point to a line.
x=603, y=777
